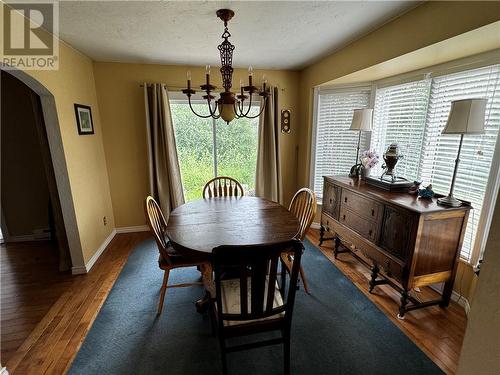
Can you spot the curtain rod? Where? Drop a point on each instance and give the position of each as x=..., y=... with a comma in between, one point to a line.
x=177, y=88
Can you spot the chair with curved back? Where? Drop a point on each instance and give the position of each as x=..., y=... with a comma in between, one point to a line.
x=303, y=206
x=169, y=257
x=223, y=187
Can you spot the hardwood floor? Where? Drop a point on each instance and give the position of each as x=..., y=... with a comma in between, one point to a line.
x=31, y=284
x=48, y=345
x=438, y=332
x=51, y=318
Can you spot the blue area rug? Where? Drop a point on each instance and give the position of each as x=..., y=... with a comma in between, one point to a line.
x=336, y=329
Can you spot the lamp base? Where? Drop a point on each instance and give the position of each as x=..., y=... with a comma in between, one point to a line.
x=449, y=201
x=355, y=170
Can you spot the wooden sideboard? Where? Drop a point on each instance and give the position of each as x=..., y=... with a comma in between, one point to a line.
x=406, y=241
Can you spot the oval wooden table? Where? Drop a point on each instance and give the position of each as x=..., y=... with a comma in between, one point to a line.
x=198, y=227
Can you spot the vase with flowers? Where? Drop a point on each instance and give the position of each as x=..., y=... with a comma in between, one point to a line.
x=369, y=159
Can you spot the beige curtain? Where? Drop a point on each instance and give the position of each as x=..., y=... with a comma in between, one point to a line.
x=164, y=173
x=268, y=174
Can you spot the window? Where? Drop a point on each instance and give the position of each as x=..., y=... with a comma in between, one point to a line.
x=413, y=114
x=208, y=148
x=335, y=143
x=399, y=117
x=439, y=151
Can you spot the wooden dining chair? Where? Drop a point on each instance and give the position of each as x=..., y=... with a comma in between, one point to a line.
x=169, y=258
x=223, y=187
x=253, y=302
x=303, y=206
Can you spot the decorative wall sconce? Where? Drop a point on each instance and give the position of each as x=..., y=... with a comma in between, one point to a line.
x=285, y=120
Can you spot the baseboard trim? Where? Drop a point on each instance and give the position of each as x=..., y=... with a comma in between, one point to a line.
x=81, y=270
x=315, y=225
x=24, y=238
x=462, y=301
x=136, y=228
x=88, y=266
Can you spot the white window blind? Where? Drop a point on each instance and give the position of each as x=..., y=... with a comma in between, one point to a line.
x=336, y=145
x=399, y=117
x=439, y=151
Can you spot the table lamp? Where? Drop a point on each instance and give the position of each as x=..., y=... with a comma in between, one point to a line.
x=361, y=121
x=466, y=117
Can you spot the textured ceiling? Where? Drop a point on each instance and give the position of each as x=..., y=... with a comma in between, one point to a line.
x=271, y=34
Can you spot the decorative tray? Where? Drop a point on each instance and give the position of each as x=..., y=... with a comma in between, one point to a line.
x=401, y=185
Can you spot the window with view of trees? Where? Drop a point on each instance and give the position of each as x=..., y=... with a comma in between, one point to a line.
x=413, y=114
x=208, y=148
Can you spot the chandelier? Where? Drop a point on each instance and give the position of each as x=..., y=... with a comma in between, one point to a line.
x=229, y=105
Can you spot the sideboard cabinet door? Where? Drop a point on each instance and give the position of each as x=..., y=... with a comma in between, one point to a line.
x=331, y=199
x=397, y=231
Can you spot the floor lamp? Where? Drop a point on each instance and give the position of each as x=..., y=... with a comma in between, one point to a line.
x=466, y=117
x=361, y=121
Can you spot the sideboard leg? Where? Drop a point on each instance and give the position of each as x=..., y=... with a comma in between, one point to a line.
x=337, y=245
x=373, y=281
x=447, y=290
x=404, y=302
x=321, y=235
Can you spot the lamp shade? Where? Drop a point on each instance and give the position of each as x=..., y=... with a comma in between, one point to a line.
x=362, y=119
x=466, y=117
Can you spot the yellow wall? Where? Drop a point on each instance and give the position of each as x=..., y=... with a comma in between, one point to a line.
x=74, y=83
x=481, y=347
x=121, y=101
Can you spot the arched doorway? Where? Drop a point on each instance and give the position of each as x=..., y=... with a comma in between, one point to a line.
x=48, y=118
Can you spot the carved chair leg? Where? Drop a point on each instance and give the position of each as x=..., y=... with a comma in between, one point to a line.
x=304, y=282
x=375, y=271
x=163, y=291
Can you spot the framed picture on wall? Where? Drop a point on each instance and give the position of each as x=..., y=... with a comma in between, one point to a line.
x=84, y=119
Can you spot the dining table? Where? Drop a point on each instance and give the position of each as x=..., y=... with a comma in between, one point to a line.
x=197, y=227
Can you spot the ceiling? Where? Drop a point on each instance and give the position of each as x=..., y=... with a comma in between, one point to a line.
x=271, y=34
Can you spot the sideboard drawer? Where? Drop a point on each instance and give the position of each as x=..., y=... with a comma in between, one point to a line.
x=367, y=208
x=359, y=224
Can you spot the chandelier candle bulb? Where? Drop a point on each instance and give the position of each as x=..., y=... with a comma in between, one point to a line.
x=207, y=70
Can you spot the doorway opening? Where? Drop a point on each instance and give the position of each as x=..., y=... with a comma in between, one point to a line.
x=38, y=224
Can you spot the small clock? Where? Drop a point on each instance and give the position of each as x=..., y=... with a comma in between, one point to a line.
x=285, y=121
